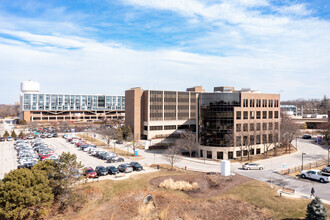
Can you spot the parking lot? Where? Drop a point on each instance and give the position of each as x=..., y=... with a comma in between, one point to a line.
x=8, y=158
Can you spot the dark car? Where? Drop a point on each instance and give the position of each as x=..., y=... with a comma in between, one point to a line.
x=43, y=136
x=112, y=170
x=119, y=142
x=136, y=166
x=101, y=171
x=307, y=136
x=2, y=139
x=55, y=135
x=326, y=169
x=125, y=168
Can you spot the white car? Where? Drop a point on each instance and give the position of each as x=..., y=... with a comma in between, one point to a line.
x=252, y=166
x=9, y=138
x=315, y=175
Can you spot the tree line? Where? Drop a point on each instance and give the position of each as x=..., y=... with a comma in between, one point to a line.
x=311, y=106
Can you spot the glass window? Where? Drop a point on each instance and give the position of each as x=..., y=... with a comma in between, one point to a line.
x=245, y=127
x=220, y=155
x=238, y=115
x=251, y=127
x=270, y=126
x=238, y=127
x=276, y=114
x=258, y=114
x=155, y=128
x=270, y=114
x=264, y=126
x=264, y=114
x=276, y=126
x=251, y=114
x=209, y=154
x=258, y=126
x=246, y=115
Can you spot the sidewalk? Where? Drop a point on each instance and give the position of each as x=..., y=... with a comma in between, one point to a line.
x=298, y=195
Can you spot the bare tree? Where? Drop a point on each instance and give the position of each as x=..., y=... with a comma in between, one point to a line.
x=172, y=155
x=289, y=130
x=109, y=134
x=325, y=130
x=187, y=141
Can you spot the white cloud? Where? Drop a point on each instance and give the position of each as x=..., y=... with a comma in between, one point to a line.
x=296, y=9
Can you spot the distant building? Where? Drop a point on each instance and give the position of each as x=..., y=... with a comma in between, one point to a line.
x=244, y=114
x=47, y=107
x=289, y=110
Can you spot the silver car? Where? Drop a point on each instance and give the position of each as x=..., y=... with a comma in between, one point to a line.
x=252, y=166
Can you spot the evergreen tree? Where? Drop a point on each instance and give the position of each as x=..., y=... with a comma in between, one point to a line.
x=21, y=135
x=6, y=134
x=24, y=194
x=126, y=132
x=316, y=210
x=13, y=134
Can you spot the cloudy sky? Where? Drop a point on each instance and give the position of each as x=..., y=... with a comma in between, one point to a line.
x=107, y=46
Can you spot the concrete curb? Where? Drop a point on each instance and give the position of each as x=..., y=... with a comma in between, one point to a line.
x=298, y=195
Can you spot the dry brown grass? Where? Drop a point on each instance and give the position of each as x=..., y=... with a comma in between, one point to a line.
x=178, y=185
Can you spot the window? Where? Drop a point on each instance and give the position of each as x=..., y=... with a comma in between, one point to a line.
x=201, y=153
x=219, y=155
x=245, y=140
x=264, y=103
x=251, y=114
x=156, y=128
x=145, y=128
x=245, y=153
x=276, y=114
x=258, y=103
x=276, y=125
x=270, y=114
x=238, y=127
x=245, y=127
x=251, y=127
x=276, y=137
x=270, y=126
x=258, y=137
x=230, y=155
x=238, y=115
x=252, y=152
x=245, y=103
x=251, y=139
x=270, y=138
x=270, y=103
x=264, y=126
x=264, y=139
x=238, y=153
x=251, y=102
x=258, y=151
x=246, y=115
x=258, y=114
x=169, y=127
x=258, y=126
x=264, y=114
x=238, y=140
x=209, y=154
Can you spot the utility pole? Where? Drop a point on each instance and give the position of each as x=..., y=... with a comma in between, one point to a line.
x=302, y=160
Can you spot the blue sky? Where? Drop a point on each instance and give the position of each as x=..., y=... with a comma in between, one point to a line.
x=106, y=47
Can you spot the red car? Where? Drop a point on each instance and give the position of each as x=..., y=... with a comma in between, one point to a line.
x=90, y=172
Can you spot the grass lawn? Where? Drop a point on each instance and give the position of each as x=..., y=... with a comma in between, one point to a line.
x=101, y=195
x=261, y=195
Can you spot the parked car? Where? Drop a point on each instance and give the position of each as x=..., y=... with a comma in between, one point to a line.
x=55, y=135
x=43, y=136
x=316, y=175
x=2, y=139
x=119, y=142
x=326, y=169
x=115, y=159
x=125, y=168
x=90, y=172
x=252, y=166
x=136, y=166
x=101, y=171
x=307, y=136
x=112, y=170
x=25, y=165
x=9, y=138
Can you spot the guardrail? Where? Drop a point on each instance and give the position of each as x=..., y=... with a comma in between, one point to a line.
x=306, y=167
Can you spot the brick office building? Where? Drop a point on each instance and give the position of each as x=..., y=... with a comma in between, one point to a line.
x=247, y=116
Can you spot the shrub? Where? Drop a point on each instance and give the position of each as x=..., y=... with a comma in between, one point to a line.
x=24, y=193
x=316, y=210
x=178, y=185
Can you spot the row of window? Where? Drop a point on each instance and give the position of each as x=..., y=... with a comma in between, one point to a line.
x=257, y=103
x=169, y=127
x=230, y=153
x=257, y=127
x=257, y=114
x=257, y=139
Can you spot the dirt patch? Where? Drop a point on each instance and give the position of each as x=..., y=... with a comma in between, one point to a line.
x=209, y=185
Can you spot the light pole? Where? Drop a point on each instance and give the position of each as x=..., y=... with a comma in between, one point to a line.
x=302, y=160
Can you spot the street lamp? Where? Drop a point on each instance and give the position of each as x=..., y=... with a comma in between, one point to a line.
x=302, y=160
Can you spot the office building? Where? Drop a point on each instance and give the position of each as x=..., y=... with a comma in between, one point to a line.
x=224, y=120
x=48, y=107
